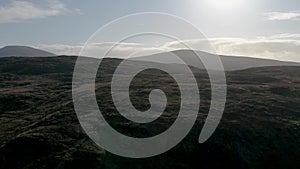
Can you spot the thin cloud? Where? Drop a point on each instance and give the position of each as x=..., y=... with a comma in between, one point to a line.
x=279, y=16
x=285, y=47
x=121, y=50
x=18, y=11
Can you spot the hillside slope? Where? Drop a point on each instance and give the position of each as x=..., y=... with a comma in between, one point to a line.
x=24, y=51
x=260, y=127
x=229, y=62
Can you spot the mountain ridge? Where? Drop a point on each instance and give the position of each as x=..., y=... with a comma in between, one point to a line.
x=24, y=51
x=230, y=63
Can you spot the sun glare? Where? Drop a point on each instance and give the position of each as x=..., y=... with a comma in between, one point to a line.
x=224, y=5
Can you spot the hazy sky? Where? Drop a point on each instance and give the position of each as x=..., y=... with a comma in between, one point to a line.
x=259, y=28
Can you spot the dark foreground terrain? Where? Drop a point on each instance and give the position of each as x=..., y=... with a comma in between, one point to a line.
x=260, y=127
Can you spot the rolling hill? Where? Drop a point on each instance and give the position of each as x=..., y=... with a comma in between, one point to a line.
x=23, y=51
x=229, y=62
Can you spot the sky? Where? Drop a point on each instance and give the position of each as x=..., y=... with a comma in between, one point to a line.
x=255, y=28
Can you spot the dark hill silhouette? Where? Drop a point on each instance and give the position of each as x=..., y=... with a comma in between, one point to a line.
x=25, y=51
x=229, y=62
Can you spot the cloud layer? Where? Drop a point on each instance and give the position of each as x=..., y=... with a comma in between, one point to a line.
x=278, y=48
x=284, y=47
x=94, y=49
x=282, y=15
x=18, y=11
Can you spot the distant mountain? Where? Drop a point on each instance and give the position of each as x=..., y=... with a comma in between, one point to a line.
x=229, y=62
x=25, y=51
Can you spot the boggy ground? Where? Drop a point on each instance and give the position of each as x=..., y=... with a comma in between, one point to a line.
x=260, y=127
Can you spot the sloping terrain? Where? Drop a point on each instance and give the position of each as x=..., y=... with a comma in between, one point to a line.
x=23, y=51
x=260, y=127
x=229, y=62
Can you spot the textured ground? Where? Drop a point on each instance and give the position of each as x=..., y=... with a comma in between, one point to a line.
x=260, y=127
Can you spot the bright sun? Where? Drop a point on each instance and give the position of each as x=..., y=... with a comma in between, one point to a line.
x=224, y=5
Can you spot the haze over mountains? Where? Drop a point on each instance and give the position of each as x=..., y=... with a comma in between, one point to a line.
x=229, y=62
